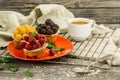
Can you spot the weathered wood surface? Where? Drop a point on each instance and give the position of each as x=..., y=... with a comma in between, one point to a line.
x=103, y=11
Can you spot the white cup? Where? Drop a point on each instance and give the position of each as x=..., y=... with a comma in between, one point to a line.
x=80, y=32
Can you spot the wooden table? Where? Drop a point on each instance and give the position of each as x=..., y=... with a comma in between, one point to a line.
x=103, y=11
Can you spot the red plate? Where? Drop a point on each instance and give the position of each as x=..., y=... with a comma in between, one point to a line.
x=60, y=43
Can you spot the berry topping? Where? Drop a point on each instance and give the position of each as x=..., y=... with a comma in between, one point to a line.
x=28, y=47
x=43, y=31
x=38, y=36
x=48, y=28
x=36, y=45
x=32, y=40
x=50, y=31
x=49, y=22
x=22, y=44
x=42, y=41
x=26, y=38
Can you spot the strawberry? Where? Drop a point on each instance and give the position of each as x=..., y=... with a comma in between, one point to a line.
x=32, y=40
x=36, y=45
x=22, y=44
x=28, y=47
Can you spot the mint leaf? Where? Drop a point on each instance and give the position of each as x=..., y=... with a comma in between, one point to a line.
x=5, y=60
x=1, y=67
x=51, y=46
x=59, y=49
x=34, y=34
x=28, y=73
x=13, y=68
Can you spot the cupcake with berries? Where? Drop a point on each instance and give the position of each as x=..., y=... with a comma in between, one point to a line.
x=49, y=29
x=20, y=32
x=34, y=45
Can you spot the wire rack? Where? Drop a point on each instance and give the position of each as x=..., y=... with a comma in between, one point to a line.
x=84, y=51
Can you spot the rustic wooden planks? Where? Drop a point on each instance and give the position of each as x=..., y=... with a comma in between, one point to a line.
x=103, y=11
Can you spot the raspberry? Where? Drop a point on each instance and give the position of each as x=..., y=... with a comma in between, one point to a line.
x=51, y=52
x=37, y=36
x=42, y=40
x=28, y=47
x=22, y=45
x=26, y=38
x=32, y=40
x=36, y=45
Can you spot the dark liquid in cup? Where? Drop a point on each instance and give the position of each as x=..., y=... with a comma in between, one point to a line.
x=79, y=22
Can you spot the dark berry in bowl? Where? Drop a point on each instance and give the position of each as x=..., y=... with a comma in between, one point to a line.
x=49, y=22
x=50, y=32
x=54, y=29
x=48, y=27
x=43, y=31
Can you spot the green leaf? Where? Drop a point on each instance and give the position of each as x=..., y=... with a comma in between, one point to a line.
x=13, y=68
x=51, y=45
x=28, y=73
x=59, y=49
x=34, y=34
x=1, y=67
x=5, y=60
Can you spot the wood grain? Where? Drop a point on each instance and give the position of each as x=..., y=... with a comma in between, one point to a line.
x=103, y=11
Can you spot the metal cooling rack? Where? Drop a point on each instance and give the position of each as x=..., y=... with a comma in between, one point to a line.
x=84, y=51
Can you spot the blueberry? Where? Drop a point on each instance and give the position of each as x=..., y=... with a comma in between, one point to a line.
x=49, y=22
x=49, y=32
x=48, y=27
x=55, y=25
x=43, y=26
x=39, y=25
x=43, y=31
x=54, y=29
x=38, y=29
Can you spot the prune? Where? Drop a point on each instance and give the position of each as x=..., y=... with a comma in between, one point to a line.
x=43, y=31
x=49, y=32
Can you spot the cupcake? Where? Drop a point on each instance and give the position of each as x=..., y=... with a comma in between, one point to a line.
x=49, y=29
x=33, y=45
x=20, y=32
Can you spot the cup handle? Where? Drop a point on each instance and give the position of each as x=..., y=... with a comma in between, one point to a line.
x=93, y=24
